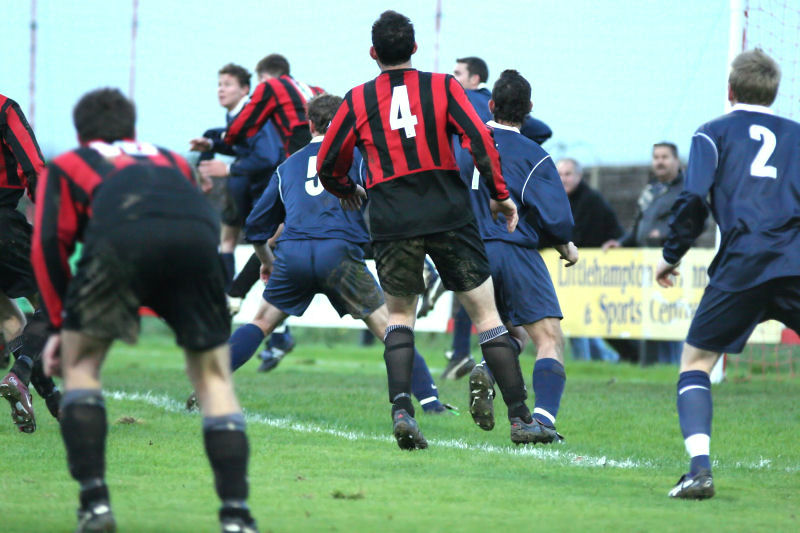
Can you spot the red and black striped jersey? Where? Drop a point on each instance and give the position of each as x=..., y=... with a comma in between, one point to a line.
x=403, y=123
x=21, y=159
x=66, y=204
x=284, y=100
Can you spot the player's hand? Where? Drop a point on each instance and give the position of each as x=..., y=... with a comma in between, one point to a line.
x=266, y=272
x=355, y=200
x=612, y=243
x=200, y=144
x=213, y=168
x=509, y=210
x=568, y=252
x=665, y=273
x=51, y=356
x=204, y=182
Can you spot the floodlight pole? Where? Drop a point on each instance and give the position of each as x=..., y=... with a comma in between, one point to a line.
x=32, y=68
x=438, y=32
x=134, y=32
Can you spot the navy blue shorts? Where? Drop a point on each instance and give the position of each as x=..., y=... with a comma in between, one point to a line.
x=725, y=320
x=523, y=288
x=332, y=267
x=242, y=194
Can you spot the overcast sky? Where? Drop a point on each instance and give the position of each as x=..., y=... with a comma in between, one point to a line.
x=610, y=78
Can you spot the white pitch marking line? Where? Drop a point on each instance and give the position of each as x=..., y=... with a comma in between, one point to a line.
x=568, y=458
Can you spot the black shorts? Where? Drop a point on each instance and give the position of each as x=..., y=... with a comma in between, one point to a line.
x=725, y=320
x=16, y=274
x=171, y=266
x=459, y=256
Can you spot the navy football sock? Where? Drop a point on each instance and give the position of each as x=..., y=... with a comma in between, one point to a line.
x=229, y=265
x=462, y=330
x=548, y=386
x=422, y=385
x=244, y=343
x=695, y=412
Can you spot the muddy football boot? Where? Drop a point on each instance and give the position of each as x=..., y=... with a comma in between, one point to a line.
x=406, y=431
x=97, y=518
x=481, y=397
x=16, y=393
x=698, y=487
x=533, y=433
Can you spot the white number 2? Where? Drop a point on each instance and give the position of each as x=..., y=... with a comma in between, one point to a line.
x=759, y=167
x=313, y=186
x=400, y=112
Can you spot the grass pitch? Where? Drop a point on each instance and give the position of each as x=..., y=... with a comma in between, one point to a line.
x=323, y=459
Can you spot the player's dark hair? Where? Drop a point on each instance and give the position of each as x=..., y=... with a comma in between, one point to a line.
x=321, y=110
x=393, y=38
x=476, y=65
x=104, y=114
x=666, y=144
x=754, y=78
x=274, y=65
x=512, y=97
x=241, y=74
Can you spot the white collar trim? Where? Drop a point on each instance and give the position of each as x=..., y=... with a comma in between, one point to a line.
x=495, y=125
x=317, y=139
x=235, y=111
x=752, y=108
x=481, y=85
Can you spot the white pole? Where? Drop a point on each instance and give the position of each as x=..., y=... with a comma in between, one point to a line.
x=438, y=33
x=736, y=43
x=134, y=34
x=32, y=69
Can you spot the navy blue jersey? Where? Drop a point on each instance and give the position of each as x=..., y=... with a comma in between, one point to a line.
x=296, y=196
x=747, y=165
x=533, y=181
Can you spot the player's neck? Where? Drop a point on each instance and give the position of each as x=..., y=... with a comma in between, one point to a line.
x=401, y=66
x=517, y=125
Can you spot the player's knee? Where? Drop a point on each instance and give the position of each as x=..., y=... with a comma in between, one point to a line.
x=547, y=336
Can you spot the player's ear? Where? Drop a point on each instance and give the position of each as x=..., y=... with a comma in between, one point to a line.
x=414, y=51
x=731, y=96
x=491, y=106
x=530, y=106
x=372, y=53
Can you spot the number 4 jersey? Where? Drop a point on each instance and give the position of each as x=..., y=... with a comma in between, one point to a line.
x=402, y=123
x=745, y=166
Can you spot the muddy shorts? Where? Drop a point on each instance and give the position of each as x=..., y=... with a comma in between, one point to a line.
x=171, y=266
x=333, y=267
x=458, y=254
x=16, y=274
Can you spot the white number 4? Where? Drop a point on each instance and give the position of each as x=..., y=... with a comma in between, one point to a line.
x=400, y=112
x=759, y=167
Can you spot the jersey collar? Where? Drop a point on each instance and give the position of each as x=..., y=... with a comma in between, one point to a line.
x=495, y=125
x=235, y=111
x=317, y=139
x=752, y=108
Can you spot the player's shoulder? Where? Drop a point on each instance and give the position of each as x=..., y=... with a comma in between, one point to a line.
x=6, y=103
x=516, y=143
x=73, y=159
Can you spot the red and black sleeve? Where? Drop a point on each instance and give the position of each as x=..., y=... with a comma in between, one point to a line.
x=20, y=140
x=475, y=137
x=254, y=114
x=58, y=216
x=335, y=156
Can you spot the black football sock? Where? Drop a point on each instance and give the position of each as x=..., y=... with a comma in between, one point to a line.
x=22, y=368
x=500, y=355
x=228, y=452
x=46, y=388
x=28, y=349
x=84, y=428
x=248, y=277
x=399, y=357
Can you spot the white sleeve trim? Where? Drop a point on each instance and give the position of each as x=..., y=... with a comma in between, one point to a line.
x=716, y=152
x=522, y=191
x=280, y=184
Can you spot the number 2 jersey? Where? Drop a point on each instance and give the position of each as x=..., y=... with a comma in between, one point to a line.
x=403, y=122
x=745, y=167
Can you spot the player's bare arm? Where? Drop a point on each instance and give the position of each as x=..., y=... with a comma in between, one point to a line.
x=568, y=252
x=665, y=273
x=509, y=210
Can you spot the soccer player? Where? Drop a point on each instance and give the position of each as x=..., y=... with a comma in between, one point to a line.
x=150, y=238
x=473, y=73
x=523, y=289
x=278, y=97
x=403, y=123
x=21, y=163
x=744, y=167
x=319, y=252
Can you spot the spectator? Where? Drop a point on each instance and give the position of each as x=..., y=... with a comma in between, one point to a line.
x=595, y=223
x=650, y=228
